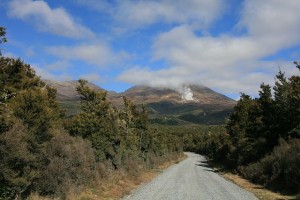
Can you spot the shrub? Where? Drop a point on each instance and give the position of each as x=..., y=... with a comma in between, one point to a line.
x=71, y=166
x=18, y=166
x=280, y=169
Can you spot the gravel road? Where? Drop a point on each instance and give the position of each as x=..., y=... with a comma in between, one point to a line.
x=188, y=180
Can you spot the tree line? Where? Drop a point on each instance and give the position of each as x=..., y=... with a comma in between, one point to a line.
x=44, y=152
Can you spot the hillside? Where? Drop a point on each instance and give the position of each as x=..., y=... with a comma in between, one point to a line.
x=68, y=96
x=66, y=90
x=189, y=104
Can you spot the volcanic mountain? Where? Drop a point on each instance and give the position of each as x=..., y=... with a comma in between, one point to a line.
x=190, y=103
x=183, y=95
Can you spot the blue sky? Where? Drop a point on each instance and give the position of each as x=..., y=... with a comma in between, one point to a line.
x=230, y=46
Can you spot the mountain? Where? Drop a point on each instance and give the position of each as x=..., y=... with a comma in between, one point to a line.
x=195, y=104
x=188, y=104
x=68, y=96
x=66, y=90
x=187, y=94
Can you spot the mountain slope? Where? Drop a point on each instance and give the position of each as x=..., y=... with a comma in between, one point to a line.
x=68, y=96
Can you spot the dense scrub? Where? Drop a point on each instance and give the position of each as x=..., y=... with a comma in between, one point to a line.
x=279, y=168
x=44, y=153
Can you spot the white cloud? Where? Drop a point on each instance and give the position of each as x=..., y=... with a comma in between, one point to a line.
x=275, y=22
x=58, y=66
x=93, y=77
x=47, y=75
x=98, y=5
x=58, y=71
x=140, y=13
x=173, y=77
x=228, y=63
x=99, y=55
x=56, y=21
x=10, y=55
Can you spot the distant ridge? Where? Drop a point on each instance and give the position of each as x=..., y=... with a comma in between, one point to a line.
x=66, y=90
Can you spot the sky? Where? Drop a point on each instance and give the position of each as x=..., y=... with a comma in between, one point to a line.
x=231, y=46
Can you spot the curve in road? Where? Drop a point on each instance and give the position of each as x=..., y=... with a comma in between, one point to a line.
x=190, y=179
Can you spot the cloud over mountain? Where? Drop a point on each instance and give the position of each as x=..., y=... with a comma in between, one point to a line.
x=228, y=62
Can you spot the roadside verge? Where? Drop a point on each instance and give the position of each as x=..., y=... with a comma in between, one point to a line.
x=259, y=191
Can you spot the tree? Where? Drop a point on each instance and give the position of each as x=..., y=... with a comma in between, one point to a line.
x=239, y=119
x=294, y=103
x=287, y=103
x=2, y=36
x=27, y=97
x=266, y=103
x=96, y=122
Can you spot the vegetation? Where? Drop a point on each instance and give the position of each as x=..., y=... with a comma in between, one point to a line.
x=167, y=113
x=44, y=153
x=208, y=117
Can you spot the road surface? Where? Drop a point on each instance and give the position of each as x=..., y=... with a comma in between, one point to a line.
x=190, y=179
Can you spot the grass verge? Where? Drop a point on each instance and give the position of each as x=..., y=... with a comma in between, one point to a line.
x=258, y=190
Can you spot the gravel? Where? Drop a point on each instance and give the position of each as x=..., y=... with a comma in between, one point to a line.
x=190, y=179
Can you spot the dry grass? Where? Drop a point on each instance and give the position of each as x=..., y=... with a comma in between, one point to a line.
x=258, y=190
